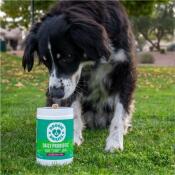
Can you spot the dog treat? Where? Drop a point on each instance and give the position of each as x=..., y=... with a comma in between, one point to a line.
x=55, y=106
x=54, y=142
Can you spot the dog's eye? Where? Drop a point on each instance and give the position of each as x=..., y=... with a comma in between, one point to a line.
x=58, y=56
x=44, y=58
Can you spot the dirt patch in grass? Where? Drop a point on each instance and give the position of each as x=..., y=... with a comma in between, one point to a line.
x=167, y=59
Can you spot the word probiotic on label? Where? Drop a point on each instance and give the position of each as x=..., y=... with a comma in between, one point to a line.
x=54, y=142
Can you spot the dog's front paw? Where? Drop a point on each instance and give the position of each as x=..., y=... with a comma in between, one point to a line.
x=113, y=145
x=78, y=139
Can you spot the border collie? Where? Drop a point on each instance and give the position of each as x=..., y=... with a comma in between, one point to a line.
x=88, y=49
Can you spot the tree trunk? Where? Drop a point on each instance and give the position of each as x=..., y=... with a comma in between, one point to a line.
x=149, y=40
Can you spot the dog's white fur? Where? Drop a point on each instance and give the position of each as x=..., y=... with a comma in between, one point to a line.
x=119, y=56
x=128, y=118
x=78, y=123
x=115, y=139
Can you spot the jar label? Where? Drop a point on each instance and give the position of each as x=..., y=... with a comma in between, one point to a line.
x=54, y=139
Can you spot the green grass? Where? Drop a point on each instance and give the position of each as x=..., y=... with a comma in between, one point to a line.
x=149, y=148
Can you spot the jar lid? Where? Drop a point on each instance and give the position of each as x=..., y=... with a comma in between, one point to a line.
x=47, y=112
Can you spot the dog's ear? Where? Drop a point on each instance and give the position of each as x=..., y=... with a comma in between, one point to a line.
x=91, y=37
x=31, y=45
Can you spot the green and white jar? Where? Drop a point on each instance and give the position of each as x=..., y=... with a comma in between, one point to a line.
x=54, y=142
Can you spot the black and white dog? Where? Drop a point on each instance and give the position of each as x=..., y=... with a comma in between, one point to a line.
x=88, y=49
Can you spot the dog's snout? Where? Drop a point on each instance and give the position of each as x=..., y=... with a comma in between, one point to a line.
x=57, y=92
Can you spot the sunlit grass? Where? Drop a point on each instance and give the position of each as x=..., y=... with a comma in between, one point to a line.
x=149, y=148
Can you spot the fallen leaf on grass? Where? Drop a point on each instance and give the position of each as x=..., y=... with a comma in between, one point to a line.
x=19, y=73
x=19, y=85
x=5, y=81
x=42, y=90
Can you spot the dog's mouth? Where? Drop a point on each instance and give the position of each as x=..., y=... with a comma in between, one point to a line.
x=62, y=102
x=56, y=100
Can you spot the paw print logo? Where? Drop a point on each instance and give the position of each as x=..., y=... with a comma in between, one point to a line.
x=56, y=132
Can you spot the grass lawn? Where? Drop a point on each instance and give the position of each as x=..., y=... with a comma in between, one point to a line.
x=149, y=148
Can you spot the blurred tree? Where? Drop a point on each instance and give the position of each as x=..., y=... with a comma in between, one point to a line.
x=141, y=7
x=160, y=25
x=20, y=11
x=22, y=8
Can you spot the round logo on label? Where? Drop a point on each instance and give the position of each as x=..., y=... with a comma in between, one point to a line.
x=56, y=132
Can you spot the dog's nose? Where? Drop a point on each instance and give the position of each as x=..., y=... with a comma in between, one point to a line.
x=57, y=92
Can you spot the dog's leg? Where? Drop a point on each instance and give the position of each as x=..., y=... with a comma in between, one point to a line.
x=115, y=139
x=128, y=118
x=78, y=123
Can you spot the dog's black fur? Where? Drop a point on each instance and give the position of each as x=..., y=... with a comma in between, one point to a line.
x=91, y=28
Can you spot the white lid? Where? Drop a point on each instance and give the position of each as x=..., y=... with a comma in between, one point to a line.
x=47, y=112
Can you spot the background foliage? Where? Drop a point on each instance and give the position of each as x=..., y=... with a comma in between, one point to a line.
x=157, y=26
x=21, y=8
